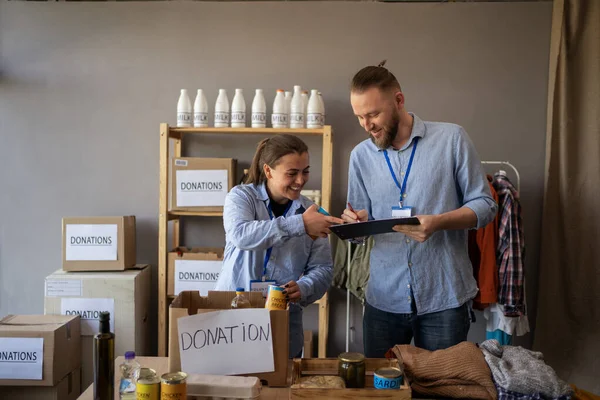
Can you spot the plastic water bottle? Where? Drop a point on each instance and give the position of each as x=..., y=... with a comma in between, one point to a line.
x=259, y=110
x=200, y=110
x=279, y=118
x=184, y=110
x=297, y=109
x=222, y=110
x=127, y=384
x=240, y=301
x=238, y=110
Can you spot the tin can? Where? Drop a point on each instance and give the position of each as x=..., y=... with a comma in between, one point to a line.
x=387, y=378
x=275, y=298
x=352, y=369
x=147, y=385
x=173, y=386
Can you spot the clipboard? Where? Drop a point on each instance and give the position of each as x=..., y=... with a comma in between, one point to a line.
x=370, y=228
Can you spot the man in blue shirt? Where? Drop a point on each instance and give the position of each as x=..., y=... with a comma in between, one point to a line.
x=421, y=279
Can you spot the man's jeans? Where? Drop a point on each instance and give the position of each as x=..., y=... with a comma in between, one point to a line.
x=383, y=330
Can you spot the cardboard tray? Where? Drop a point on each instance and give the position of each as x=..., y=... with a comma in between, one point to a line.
x=329, y=366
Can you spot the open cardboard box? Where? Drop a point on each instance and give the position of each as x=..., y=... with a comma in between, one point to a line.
x=191, y=303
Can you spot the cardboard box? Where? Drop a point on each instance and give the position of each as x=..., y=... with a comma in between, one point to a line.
x=98, y=243
x=190, y=303
x=61, y=346
x=193, y=269
x=201, y=184
x=69, y=388
x=87, y=292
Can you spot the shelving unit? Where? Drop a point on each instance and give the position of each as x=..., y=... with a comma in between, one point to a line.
x=171, y=140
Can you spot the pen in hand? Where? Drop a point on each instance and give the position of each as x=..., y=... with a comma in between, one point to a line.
x=352, y=209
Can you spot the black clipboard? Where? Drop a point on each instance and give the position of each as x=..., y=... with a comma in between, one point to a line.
x=369, y=228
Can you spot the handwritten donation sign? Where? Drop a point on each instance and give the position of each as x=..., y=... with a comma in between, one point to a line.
x=226, y=342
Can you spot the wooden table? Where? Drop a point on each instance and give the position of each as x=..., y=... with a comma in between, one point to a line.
x=160, y=365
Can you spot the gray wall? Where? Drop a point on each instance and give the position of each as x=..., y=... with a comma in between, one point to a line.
x=84, y=86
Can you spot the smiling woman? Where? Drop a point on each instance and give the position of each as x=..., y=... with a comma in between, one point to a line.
x=276, y=236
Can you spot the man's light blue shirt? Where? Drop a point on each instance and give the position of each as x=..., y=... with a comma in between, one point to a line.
x=446, y=174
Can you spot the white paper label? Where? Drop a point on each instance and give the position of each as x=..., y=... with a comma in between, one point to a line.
x=181, y=163
x=21, y=358
x=63, y=287
x=89, y=311
x=184, y=119
x=87, y=242
x=259, y=118
x=238, y=117
x=297, y=120
x=279, y=119
x=201, y=187
x=200, y=119
x=197, y=275
x=221, y=118
x=226, y=342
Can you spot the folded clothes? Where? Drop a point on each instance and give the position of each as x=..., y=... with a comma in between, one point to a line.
x=457, y=372
x=523, y=371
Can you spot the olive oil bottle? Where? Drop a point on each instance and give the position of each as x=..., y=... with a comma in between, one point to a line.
x=104, y=356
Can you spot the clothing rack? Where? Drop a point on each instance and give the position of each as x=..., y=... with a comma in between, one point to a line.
x=516, y=171
x=510, y=165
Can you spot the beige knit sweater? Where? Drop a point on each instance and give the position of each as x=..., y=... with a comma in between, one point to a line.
x=457, y=372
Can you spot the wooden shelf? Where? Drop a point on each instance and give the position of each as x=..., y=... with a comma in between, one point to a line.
x=171, y=146
x=176, y=214
x=177, y=133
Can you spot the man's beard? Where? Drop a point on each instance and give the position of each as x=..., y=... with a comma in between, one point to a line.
x=389, y=134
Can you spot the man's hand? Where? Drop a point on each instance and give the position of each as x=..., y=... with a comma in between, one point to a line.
x=351, y=216
x=420, y=233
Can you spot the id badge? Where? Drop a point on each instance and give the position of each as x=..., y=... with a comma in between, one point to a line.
x=402, y=212
x=261, y=286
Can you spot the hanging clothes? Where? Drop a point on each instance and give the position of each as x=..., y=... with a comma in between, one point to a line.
x=359, y=266
x=483, y=243
x=508, y=317
x=510, y=250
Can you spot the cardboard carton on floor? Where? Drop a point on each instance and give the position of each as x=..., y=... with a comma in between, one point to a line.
x=69, y=388
x=125, y=294
x=193, y=269
x=201, y=184
x=98, y=243
x=38, y=350
x=190, y=303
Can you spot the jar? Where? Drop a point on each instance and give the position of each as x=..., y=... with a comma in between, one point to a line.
x=351, y=368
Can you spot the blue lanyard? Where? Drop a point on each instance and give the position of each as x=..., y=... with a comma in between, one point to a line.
x=412, y=156
x=270, y=249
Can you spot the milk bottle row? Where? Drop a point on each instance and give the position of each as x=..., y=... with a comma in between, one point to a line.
x=296, y=110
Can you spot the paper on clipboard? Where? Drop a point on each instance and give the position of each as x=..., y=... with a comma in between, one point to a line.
x=370, y=228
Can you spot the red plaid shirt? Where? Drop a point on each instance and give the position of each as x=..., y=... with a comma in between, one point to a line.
x=510, y=251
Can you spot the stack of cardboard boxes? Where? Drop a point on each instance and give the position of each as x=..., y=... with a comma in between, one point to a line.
x=50, y=356
x=100, y=274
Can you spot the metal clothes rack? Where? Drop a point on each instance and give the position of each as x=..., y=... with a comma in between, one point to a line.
x=516, y=171
x=507, y=163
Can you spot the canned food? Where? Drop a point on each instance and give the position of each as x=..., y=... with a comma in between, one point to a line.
x=275, y=298
x=147, y=385
x=173, y=386
x=387, y=378
x=351, y=368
